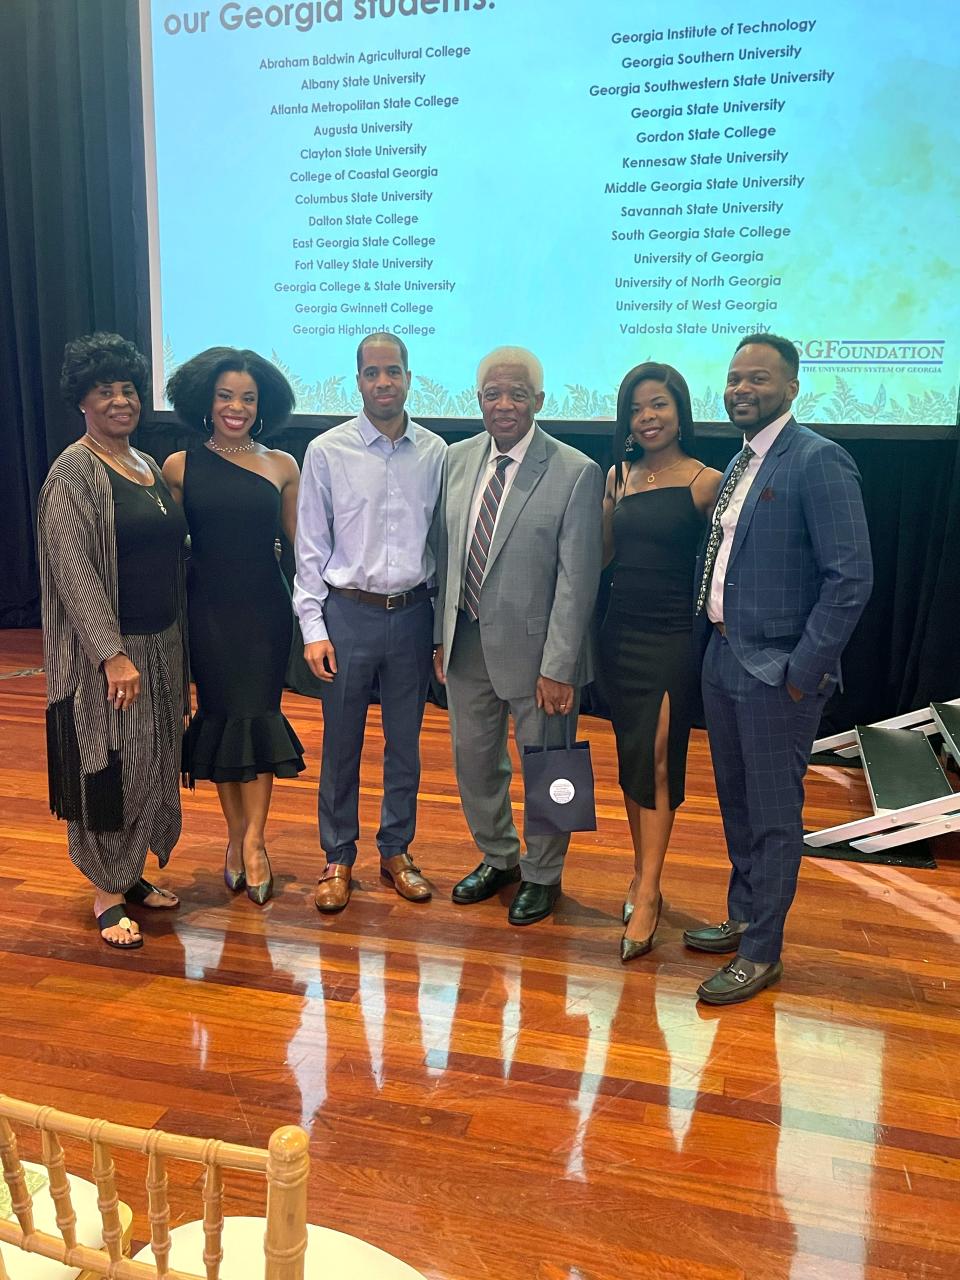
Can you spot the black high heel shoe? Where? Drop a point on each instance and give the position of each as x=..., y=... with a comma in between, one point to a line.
x=236, y=881
x=262, y=893
x=630, y=950
x=627, y=910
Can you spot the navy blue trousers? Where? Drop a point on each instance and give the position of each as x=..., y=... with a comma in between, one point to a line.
x=760, y=741
x=395, y=646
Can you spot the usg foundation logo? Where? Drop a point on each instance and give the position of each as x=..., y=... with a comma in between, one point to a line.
x=872, y=352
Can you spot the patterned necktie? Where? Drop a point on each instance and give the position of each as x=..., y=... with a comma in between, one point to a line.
x=482, y=537
x=716, y=530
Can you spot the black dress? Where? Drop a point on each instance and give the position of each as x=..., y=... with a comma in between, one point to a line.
x=240, y=624
x=646, y=643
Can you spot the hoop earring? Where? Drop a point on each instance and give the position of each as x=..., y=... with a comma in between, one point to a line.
x=259, y=430
x=206, y=425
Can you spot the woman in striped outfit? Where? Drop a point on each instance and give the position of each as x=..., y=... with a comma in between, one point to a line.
x=111, y=574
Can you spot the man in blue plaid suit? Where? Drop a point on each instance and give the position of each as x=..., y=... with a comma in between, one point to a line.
x=782, y=580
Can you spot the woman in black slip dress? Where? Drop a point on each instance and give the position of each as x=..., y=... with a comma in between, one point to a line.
x=655, y=510
x=238, y=495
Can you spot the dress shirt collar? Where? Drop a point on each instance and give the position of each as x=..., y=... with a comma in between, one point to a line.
x=517, y=453
x=371, y=434
x=763, y=441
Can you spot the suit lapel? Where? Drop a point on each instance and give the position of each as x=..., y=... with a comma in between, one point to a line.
x=528, y=476
x=767, y=467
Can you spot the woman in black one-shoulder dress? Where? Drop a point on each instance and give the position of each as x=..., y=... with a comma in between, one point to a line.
x=237, y=496
x=655, y=510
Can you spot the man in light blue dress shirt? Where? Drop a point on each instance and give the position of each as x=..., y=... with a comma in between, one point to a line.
x=366, y=558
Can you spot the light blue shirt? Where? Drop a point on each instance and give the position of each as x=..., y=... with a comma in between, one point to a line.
x=364, y=515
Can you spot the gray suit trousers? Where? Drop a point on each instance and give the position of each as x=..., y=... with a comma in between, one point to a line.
x=478, y=724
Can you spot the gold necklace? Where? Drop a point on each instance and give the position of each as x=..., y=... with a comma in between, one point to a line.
x=150, y=489
x=652, y=476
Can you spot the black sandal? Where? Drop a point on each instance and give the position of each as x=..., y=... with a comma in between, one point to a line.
x=141, y=890
x=117, y=915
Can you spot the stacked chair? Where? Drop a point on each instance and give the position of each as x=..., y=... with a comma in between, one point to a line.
x=910, y=792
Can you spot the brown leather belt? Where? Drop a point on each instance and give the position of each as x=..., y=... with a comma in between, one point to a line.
x=399, y=600
x=721, y=628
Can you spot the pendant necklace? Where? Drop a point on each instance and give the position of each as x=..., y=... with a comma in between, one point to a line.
x=149, y=489
x=652, y=476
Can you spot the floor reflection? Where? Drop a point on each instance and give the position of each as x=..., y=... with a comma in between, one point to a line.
x=510, y=1021
x=306, y=1054
x=763, y=1121
x=831, y=1086
x=597, y=1003
x=688, y=1041
x=437, y=1004
x=373, y=1009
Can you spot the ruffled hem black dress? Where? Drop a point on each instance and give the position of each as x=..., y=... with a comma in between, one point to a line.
x=646, y=640
x=240, y=623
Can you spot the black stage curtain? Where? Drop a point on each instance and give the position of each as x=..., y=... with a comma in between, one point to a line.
x=73, y=259
x=71, y=216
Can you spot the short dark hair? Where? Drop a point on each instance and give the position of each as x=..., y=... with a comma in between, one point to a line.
x=787, y=350
x=383, y=337
x=190, y=388
x=101, y=357
x=675, y=384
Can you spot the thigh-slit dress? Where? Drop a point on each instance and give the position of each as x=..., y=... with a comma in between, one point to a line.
x=646, y=647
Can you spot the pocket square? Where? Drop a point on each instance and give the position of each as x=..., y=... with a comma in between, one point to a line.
x=766, y=494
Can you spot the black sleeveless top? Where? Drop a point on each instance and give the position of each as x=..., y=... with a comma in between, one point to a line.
x=149, y=545
x=657, y=534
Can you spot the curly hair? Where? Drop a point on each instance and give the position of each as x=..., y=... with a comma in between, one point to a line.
x=101, y=357
x=680, y=392
x=190, y=388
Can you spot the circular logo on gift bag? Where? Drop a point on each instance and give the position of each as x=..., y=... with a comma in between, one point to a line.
x=562, y=791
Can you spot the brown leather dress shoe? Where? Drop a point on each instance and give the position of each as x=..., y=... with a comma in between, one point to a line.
x=333, y=888
x=405, y=877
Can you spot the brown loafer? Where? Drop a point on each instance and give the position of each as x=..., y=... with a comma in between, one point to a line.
x=406, y=878
x=333, y=887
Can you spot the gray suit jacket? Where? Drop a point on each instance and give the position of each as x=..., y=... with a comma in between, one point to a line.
x=540, y=585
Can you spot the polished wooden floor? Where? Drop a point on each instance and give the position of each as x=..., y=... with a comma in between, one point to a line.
x=491, y=1102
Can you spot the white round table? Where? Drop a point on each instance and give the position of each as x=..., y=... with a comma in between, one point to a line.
x=329, y=1253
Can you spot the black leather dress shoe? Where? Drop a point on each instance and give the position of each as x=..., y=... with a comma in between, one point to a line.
x=533, y=902
x=739, y=980
x=716, y=937
x=483, y=882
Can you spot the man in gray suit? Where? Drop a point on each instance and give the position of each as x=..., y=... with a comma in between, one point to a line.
x=518, y=571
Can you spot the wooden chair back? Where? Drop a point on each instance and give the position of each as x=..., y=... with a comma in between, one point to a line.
x=285, y=1164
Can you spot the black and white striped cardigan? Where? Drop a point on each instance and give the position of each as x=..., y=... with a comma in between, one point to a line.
x=77, y=548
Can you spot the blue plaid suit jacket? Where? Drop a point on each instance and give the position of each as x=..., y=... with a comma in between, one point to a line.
x=800, y=570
